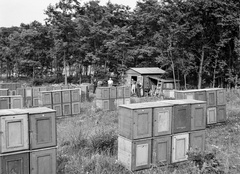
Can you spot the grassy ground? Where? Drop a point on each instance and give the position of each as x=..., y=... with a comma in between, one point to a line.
x=88, y=144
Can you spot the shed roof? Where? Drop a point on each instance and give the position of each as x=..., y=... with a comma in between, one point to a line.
x=152, y=70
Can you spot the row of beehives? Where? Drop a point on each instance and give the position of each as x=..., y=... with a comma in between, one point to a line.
x=144, y=124
x=162, y=150
x=215, y=99
x=28, y=141
x=109, y=98
x=66, y=102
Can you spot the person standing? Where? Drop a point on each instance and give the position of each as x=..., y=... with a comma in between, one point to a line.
x=133, y=89
x=94, y=85
x=110, y=82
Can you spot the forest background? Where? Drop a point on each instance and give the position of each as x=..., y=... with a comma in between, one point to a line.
x=195, y=41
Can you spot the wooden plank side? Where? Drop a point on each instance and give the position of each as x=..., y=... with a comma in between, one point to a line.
x=125, y=122
x=221, y=114
x=211, y=115
x=180, y=146
x=221, y=97
x=198, y=140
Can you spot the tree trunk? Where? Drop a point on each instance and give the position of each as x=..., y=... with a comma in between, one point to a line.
x=201, y=70
x=185, y=80
x=214, y=73
x=174, y=78
x=80, y=73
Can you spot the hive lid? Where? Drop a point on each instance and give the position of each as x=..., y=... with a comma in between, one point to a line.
x=8, y=112
x=146, y=105
x=192, y=101
x=38, y=110
x=174, y=102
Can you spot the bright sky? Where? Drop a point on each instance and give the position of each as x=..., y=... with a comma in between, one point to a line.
x=15, y=12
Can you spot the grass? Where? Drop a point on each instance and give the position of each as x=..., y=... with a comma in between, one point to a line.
x=88, y=144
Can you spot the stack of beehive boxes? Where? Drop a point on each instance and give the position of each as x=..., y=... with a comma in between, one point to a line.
x=11, y=102
x=109, y=98
x=216, y=102
x=66, y=102
x=28, y=141
x=160, y=132
x=12, y=87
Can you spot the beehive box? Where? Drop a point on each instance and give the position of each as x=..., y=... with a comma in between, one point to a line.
x=113, y=92
x=42, y=88
x=56, y=88
x=102, y=93
x=4, y=92
x=16, y=102
x=198, y=114
x=102, y=104
x=135, y=121
x=66, y=96
x=76, y=95
x=181, y=119
x=58, y=108
x=221, y=113
x=162, y=118
x=211, y=97
x=161, y=153
x=76, y=108
x=211, y=115
x=112, y=104
x=43, y=161
x=29, y=102
x=14, y=130
x=42, y=125
x=15, y=163
x=4, y=102
x=126, y=101
x=35, y=91
x=197, y=140
x=119, y=101
x=35, y=102
x=134, y=154
x=45, y=98
x=126, y=91
x=180, y=146
x=28, y=92
x=21, y=91
x=67, y=109
x=56, y=96
x=120, y=92
x=191, y=94
x=221, y=96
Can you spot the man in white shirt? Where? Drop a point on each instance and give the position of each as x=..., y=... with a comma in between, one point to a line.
x=110, y=82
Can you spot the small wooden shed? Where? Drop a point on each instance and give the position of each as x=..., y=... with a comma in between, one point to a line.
x=142, y=75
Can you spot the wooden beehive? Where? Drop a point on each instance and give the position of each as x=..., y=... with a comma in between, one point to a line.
x=67, y=109
x=119, y=102
x=126, y=101
x=112, y=92
x=120, y=92
x=42, y=88
x=112, y=104
x=198, y=114
x=35, y=102
x=211, y=115
x=181, y=119
x=28, y=92
x=221, y=96
x=180, y=146
x=15, y=163
x=211, y=97
x=35, y=92
x=49, y=88
x=102, y=104
x=21, y=91
x=28, y=102
x=126, y=91
x=102, y=93
x=4, y=102
x=161, y=153
x=58, y=108
x=76, y=108
x=66, y=96
x=76, y=95
x=43, y=161
x=4, y=92
x=42, y=125
x=134, y=154
x=16, y=102
x=45, y=98
x=197, y=140
x=56, y=97
x=135, y=121
x=221, y=113
x=14, y=130
x=162, y=118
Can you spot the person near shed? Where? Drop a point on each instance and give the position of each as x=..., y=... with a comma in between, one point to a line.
x=133, y=89
x=110, y=82
x=138, y=86
x=94, y=85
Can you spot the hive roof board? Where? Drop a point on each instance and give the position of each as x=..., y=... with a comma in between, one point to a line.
x=153, y=70
x=146, y=105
